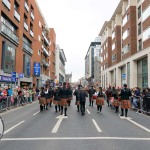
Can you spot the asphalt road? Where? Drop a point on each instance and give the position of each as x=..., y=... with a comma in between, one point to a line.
x=28, y=129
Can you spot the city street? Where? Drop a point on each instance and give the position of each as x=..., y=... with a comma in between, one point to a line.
x=28, y=129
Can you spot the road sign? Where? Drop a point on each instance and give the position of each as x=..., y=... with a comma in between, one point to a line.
x=13, y=74
x=37, y=69
x=123, y=76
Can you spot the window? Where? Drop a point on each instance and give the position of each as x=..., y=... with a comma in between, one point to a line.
x=39, y=52
x=113, y=46
x=113, y=57
x=146, y=13
x=106, y=44
x=139, y=28
x=8, y=58
x=146, y=34
x=40, y=24
x=125, y=49
x=140, y=45
x=26, y=65
x=126, y=34
x=113, y=35
x=106, y=55
x=39, y=37
x=125, y=19
x=139, y=11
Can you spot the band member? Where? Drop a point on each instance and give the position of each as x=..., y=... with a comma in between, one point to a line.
x=125, y=103
x=77, y=94
x=108, y=94
x=116, y=101
x=91, y=93
x=70, y=94
x=100, y=100
x=83, y=96
x=64, y=98
x=42, y=100
x=57, y=99
x=47, y=97
x=51, y=95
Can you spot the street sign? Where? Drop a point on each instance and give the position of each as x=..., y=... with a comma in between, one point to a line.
x=13, y=74
x=37, y=69
x=21, y=75
x=123, y=76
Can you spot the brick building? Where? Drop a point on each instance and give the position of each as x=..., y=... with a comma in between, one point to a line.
x=126, y=41
x=26, y=43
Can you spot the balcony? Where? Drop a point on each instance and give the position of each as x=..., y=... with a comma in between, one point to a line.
x=45, y=63
x=9, y=33
x=17, y=16
x=31, y=33
x=27, y=48
x=7, y=4
x=45, y=39
x=32, y=15
x=26, y=6
x=45, y=51
x=25, y=26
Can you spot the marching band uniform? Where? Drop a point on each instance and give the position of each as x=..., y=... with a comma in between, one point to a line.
x=125, y=103
x=51, y=95
x=91, y=92
x=42, y=100
x=70, y=94
x=64, y=98
x=100, y=100
x=77, y=94
x=56, y=99
x=47, y=97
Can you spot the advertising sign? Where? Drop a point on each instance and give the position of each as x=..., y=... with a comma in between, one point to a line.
x=37, y=69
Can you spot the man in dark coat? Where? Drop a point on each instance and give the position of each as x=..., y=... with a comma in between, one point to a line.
x=91, y=93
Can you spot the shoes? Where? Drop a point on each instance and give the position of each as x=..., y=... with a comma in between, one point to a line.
x=97, y=111
x=65, y=115
x=121, y=115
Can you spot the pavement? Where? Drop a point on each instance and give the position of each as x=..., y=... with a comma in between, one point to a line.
x=28, y=129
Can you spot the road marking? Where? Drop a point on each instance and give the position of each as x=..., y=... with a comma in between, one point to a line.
x=88, y=111
x=56, y=127
x=96, y=125
x=76, y=138
x=137, y=124
x=14, y=127
x=36, y=113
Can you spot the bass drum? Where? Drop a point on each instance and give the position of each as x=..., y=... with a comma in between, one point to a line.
x=1, y=127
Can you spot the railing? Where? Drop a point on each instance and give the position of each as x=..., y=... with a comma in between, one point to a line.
x=17, y=16
x=45, y=63
x=45, y=51
x=27, y=48
x=31, y=33
x=7, y=3
x=9, y=33
x=45, y=38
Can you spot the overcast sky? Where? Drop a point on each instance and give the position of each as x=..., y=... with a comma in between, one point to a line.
x=76, y=23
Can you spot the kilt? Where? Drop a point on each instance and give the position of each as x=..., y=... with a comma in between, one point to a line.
x=125, y=104
x=51, y=100
x=100, y=101
x=63, y=102
x=47, y=100
x=55, y=102
x=116, y=103
x=42, y=100
x=77, y=103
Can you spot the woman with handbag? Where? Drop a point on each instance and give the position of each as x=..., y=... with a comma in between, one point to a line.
x=100, y=100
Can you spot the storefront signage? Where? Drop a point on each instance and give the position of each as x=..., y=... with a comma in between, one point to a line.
x=37, y=69
x=7, y=79
x=123, y=76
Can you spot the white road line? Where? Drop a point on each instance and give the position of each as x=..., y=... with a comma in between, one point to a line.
x=88, y=111
x=96, y=125
x=36, y=113
x=14, y=127
x=135, y=123
x=76, y=138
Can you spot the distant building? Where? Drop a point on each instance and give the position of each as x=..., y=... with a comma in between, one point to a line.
x=60, y=65
x=68, y=78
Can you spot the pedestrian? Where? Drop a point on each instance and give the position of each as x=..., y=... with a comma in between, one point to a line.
x=125, y=103
x=100, y=100
x=56, y=100
x=108, y=94
x=77, y=94
x=146, y=100
x=42, y=100
x=64, y=98
x=47, y=97
x=69, y=88
x=116, y=99
x=51, y=95
x=91, y=93
x=83, y=96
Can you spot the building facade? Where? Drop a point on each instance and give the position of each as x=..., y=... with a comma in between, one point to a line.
x=25, y=44
x=90, y=62
x=68, y=78
x=60, y=60
x=126, y=41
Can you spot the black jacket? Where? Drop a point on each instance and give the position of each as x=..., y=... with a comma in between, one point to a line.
x=77, y=94
x=83, y=96
x=125, y=94
x=63, y=93
x=91, y=92
x=56, y=95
